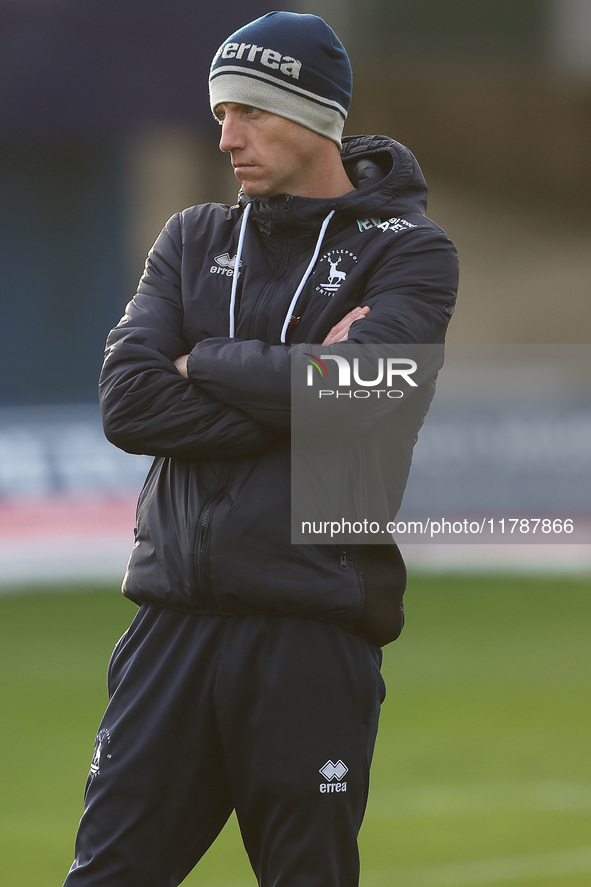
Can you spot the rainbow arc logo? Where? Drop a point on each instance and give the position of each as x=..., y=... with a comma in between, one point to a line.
x=315, y=362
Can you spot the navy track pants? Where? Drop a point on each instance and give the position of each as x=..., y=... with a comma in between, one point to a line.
x=273, y=717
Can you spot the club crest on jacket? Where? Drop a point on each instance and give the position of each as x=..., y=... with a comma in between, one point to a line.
x=333, y=269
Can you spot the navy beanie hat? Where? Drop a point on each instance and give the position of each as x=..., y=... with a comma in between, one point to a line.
x=290, y=64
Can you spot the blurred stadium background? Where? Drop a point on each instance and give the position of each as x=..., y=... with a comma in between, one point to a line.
x=482, y=771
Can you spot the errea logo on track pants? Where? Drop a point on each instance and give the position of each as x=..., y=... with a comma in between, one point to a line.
x=333, y=773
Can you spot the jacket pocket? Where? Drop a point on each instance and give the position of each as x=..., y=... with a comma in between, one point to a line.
x=383, y=574
x=203, y=540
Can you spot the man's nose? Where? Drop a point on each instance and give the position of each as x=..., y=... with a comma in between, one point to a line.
x=232, y=134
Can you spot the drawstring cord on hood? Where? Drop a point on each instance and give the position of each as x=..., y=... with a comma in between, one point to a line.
x=237, y=270
x=302, y=283
x=307, y=273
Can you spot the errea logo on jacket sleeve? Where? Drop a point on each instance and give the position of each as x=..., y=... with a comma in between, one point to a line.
x=270, y=58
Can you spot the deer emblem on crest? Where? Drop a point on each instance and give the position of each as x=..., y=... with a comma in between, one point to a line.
x=335, y=276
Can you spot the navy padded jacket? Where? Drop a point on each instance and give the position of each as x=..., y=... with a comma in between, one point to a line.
x=213, y=518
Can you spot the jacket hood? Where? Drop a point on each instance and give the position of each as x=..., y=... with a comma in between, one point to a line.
x=385, y=173
x=388, y=181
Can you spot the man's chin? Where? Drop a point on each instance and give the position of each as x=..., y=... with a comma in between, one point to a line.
x=252, y=189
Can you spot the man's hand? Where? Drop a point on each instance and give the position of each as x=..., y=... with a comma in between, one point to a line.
x=340, y=332
x=181, y=365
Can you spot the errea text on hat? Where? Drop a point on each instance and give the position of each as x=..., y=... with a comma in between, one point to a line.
x=270, y=58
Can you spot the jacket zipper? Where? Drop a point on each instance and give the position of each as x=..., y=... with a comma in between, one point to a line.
x=202, y=546
x=259, y=318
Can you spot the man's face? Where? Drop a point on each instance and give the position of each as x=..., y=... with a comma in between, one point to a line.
x=270, y=154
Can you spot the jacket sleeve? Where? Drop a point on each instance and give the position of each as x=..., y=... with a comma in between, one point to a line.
x=147, y=406
x=411, y=297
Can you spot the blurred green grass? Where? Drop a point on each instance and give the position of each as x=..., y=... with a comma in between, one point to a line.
x=482, y=771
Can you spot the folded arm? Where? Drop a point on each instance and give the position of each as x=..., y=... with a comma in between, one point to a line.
x=408, y=301
x=147, y=406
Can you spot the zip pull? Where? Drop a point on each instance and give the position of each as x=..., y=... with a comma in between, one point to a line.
x=343, y=564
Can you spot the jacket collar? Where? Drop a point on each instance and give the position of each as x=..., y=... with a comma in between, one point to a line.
x=388, y=181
